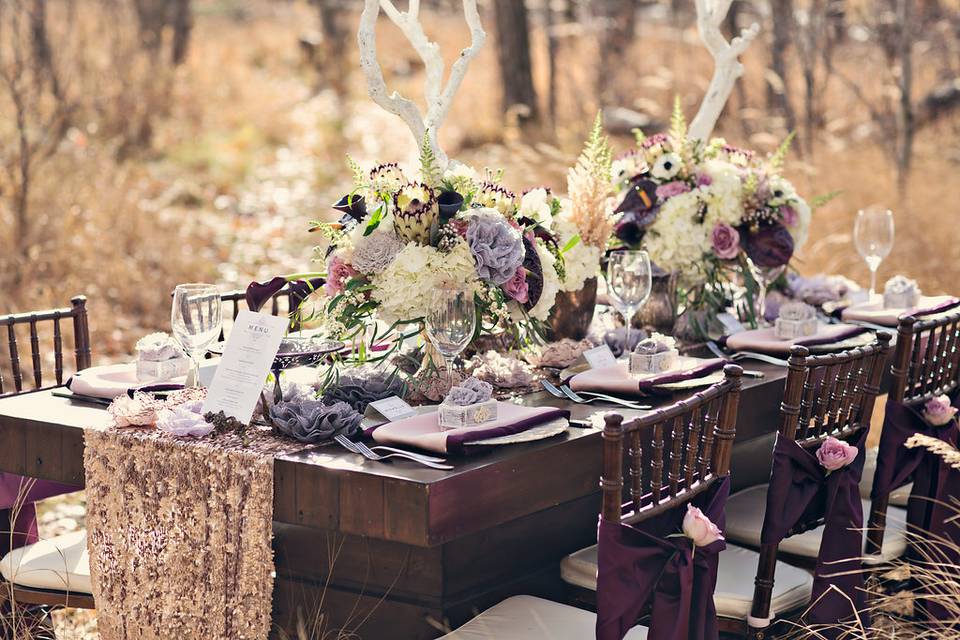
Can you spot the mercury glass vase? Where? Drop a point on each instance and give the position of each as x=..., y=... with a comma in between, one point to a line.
x=573, y=312
x=659, y=313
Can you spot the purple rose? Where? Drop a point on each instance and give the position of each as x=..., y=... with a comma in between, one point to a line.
x=835, y=454
x=516, y=287
x=704, y=180
x=726, y=241
x=670, y=189
x=769, y=246
x=938, y=411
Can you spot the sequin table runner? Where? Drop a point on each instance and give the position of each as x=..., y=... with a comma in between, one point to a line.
x=179, y=533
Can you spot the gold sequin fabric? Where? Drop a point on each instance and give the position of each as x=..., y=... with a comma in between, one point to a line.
x=179, y=533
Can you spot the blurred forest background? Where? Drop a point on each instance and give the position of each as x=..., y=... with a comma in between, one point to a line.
x=149, y=142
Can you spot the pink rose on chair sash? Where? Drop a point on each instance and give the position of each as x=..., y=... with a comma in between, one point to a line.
x=700, y=528
x=648, y=567
x=835, y=454
x=934, y=483
x=939, y=411
x=800, y=484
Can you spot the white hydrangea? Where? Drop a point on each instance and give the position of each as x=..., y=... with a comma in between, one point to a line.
x=677, y=241
x=581, y=261
x=409, y=286
x=724, y=195
x=551, y=284
x=535, y=204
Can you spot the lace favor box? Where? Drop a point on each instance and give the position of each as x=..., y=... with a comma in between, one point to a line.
x=796, y=320
x=655, y=354
x=160, y=358
x=900, y=293
x=453, y=416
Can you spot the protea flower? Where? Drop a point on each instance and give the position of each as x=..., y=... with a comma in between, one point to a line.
x=493, y=196
x=415, y=211
x=387, y=177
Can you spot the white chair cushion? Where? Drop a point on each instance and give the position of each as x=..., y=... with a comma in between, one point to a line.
x=898, y=497
x=734, y=593
x=59, y=564
x=530, y=618
x=745, y=511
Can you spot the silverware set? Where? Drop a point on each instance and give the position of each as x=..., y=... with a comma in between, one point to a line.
x=586, y=397
x=369, y=454
x=744, y=355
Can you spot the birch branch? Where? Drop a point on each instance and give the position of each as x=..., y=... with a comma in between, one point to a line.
x=438, y=97
x=727, y=66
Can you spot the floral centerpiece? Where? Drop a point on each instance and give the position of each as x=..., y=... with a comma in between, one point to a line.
x=401, y=240
x=715, y=214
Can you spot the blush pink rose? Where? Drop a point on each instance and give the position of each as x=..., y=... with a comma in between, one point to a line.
x=699, y=527
x=726, y=241
x=671, y=189
x=835, y=454
x=516, y=287
x=938, y=411
x=338, y=272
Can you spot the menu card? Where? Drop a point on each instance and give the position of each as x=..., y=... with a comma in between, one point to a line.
x=245, y=364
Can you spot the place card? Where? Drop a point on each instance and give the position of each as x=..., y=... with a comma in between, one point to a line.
x=600, y=357
x=393, y=408
x=245, y=364
x=730, y=323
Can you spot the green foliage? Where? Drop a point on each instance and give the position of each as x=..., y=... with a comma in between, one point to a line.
x=430, y=171
x=824, y=198
x=778, y=157
x=571, y=243
x=359, y=175
x=638, y=135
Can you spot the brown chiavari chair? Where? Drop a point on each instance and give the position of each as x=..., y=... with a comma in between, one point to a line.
x=829, y=395
x=671, y=456
x=75, y=315
x=926, y=363
x=61, y=547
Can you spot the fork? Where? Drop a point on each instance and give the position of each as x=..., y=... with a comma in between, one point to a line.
x=362, y=449
x=741, y=355
x=381, y=447
x=596, y=397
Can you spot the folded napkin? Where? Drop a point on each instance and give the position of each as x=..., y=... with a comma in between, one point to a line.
x=874, y=312
x=766, y=340
x=110, y=381
x=617, y=380
x=423, y=431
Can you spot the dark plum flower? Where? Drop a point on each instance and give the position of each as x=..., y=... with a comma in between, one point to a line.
x=769, y=246
x=300, y=290
x=534, y=271
x=641, y=197
x=259, y=293
x=449, y=203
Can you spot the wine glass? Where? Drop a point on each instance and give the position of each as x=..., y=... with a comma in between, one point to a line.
x=450, y=325
x=873, y=237
x=629, y=280
x=196, y=321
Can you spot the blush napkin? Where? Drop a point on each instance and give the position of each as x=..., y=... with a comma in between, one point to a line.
x=766, y=341
x=423, y=431
x=617, y=380
x=874, y=312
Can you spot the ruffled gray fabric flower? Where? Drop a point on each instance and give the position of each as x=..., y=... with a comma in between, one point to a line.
x=470, y=391
x=496, y=246
x=313, y=421
x=359, y=391
x=374, y=253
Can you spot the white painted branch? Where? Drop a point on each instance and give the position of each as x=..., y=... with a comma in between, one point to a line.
x=727, y=67
x=438, y=97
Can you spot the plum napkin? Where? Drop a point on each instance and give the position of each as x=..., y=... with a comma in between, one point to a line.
x=874, y=312
x=766, y=340
x=423, y=431
x=617, y=380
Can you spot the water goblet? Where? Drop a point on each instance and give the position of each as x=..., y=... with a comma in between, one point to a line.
x=629, y=280
x=450, y=325
x=196, y=321
x=873, y=238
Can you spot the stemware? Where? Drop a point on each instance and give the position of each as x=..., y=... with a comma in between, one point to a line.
x=629, y=280
x=195, y=320
x=450, y=325
x=873, y=237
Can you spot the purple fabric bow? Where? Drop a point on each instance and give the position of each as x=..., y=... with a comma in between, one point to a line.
x=19, y=491
x=801, y=489
x=639, y=567
x=934, y=484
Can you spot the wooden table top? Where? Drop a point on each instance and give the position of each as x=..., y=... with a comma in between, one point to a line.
x=330, y=488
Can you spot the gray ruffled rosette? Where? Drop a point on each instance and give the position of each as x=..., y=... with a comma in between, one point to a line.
x=496, y=246
x=470, y=391
x=313, y=422
x=359, y=391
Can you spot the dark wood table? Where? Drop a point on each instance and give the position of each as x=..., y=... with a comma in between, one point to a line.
x=398, y=551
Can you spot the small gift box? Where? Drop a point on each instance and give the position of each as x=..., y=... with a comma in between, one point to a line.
x=796, y=320
x=655, y=354
x=160, y=358
x=900, y=292
x=469, y=404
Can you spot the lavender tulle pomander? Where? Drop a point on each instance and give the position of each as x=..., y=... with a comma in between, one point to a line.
x=313, y=421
